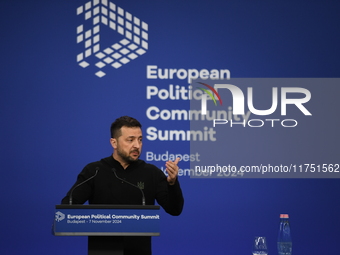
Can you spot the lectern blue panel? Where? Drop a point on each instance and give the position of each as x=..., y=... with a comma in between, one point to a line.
x=106, y=221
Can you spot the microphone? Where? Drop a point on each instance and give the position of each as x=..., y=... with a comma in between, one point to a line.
x=143, y=196
x=71, y=192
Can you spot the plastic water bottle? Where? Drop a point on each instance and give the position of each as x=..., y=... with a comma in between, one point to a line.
x=284, y=241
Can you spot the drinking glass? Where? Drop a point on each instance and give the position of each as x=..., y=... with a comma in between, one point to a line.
x=260, y=246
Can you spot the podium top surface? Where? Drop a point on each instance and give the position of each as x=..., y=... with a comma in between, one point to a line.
x=101, y=206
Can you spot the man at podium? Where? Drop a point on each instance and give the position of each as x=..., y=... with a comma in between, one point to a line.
x=124, y=179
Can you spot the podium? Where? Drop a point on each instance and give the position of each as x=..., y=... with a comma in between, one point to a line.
x=100, y=222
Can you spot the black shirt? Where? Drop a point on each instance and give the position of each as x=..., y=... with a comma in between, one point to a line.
x=105, y=188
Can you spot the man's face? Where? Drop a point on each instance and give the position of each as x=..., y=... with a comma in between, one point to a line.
x=128, y=146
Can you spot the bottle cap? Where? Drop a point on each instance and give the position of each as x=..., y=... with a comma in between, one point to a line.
x=284, y=216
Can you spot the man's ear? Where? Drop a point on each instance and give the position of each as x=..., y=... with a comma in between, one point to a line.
x=113, y=142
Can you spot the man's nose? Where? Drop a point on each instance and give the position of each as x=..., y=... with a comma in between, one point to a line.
x=136, y=144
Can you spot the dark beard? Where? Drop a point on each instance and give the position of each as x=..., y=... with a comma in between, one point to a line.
x=125, y=157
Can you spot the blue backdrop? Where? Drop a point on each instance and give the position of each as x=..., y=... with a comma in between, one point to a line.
x=56, y=114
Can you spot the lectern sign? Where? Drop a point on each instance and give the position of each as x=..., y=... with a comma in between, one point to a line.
x=82, y=220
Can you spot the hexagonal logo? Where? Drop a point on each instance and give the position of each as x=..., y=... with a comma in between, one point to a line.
x=59, y=216
x=104, y=15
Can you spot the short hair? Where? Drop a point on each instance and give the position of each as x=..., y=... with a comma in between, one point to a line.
x=124, y=121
